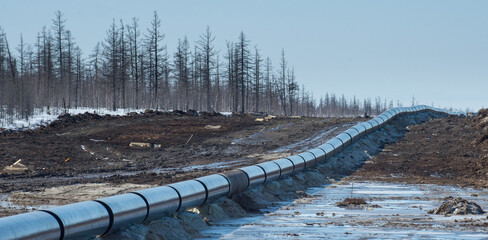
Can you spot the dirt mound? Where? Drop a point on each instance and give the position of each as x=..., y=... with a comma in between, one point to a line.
x=192, y=112
x=348, y=202
x=441, y=151
x=457, y=206
x=210, y=114
x=483, y=113
x=482, y=124
x=68, y=119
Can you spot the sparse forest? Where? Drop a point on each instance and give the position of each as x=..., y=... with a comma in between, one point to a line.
x=132, y=68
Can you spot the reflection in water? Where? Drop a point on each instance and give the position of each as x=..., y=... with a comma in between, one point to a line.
x=402, y=214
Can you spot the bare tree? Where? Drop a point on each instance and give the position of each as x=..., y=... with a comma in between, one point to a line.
x=122, y=72
x=134, y=57
x=269, y=85
x=69, y=65
x=205, y=45
x=282, y=84
x=111, y=63
x=59, y=31
x=123, y=63
x=181, y=72
x=78, y=62
x=292, y=89
x=156, y=48
x=257, y=78
x=243, y=63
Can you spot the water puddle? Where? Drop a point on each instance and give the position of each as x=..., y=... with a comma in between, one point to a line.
x=217, y=165
x=4, y=203
x=305, y=144
x=401, y=214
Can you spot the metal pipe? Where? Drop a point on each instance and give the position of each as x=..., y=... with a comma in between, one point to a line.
x=272, y=171
x=192, y=193
x=255, y=174
x=38, y=225
x=286, y=167
x=238, y=181
x=360, y=128
x=298, y=163
x=83, y=219
x=375, y=123
x=125, y=209
x=309, y=158
x=161, y=201
x=328, y=149
x=345, y=138
x=216, y=186
x=320, y=155
x=102, y=216
x=336, y=143
x=353, y=133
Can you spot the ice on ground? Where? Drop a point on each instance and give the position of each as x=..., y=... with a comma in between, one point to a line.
x=403, y=215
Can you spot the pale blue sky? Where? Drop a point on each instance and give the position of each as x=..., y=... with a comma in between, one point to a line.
x=436, y=51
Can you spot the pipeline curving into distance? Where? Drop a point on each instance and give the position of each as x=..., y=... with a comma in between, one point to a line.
x=106, y=215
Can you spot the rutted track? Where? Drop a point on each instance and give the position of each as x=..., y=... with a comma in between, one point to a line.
x=103, y=216
x=98, y=148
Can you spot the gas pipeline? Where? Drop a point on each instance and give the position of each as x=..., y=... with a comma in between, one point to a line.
x=103, y=216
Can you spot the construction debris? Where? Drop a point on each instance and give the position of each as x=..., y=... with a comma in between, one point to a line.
x=144, y=145
x=269, y=117
x=16, y=168
x=140, y=144
x=213, y=127
x=189, y=139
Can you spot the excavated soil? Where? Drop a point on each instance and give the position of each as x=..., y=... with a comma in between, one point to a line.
x=91, y=149
x=445, y=151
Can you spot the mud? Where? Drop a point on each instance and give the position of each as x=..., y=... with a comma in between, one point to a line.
x=348, y=202
x=269, y=197
x=442, y=151
x=93, y=150
x=281, y=209
x=356, y=160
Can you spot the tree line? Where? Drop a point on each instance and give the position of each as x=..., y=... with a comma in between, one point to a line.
x=132, y=68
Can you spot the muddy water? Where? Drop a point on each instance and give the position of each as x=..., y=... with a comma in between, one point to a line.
x=401, y=214
x=7, y=206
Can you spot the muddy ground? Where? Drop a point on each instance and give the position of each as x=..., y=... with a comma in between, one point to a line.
x=444, y=151
x=99, y=153
x=390, y=207
x=447, y=151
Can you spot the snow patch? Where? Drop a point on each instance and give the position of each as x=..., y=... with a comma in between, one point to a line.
x=43, y=116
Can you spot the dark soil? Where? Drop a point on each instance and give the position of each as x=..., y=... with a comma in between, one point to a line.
x=351, y=202
x=90, y=148
x=448, y=151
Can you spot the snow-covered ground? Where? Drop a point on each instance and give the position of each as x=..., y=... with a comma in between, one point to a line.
x=43, y=117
